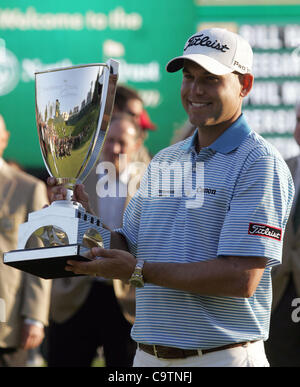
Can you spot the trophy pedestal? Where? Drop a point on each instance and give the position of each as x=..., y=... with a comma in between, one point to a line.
x=67, y=232
x=47, y=263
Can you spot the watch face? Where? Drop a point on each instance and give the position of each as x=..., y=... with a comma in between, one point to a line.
x=136, y=279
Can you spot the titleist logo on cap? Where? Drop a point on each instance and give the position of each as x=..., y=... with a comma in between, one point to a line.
x=204, y=41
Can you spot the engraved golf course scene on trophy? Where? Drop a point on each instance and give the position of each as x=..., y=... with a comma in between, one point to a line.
x=73, y=111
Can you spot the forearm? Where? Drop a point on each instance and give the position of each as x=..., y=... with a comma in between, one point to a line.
x=230, y=276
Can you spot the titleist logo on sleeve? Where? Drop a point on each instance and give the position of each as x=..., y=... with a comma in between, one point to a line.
x=265, y=231
x=204, y=40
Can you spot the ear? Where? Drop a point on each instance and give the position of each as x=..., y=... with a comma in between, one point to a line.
x=246, y=81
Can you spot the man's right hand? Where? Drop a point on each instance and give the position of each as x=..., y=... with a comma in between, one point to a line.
x=59, y=192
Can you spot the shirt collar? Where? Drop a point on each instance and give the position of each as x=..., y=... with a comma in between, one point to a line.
x=228, y=141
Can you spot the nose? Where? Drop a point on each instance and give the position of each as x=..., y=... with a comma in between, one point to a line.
x=197, y=87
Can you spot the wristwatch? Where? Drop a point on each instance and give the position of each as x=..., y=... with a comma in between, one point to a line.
x=136, y=278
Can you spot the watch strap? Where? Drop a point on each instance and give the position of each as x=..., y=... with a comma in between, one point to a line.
x=137, y=279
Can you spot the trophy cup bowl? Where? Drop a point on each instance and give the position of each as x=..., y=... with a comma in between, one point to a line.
x=73, y=110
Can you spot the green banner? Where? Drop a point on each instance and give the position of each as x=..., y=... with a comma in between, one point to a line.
x=143, y=36
x=246, y=2
x=274, y=34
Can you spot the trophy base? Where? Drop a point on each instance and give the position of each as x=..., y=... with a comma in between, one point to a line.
x=46, y=262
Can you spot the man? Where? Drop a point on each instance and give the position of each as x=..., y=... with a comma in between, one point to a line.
x=25, y=297
x=84, y=311
x=282, y=347
x=128, y=101
x=200, y=244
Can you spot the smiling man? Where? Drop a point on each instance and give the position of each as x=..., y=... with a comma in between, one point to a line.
x=203, y=272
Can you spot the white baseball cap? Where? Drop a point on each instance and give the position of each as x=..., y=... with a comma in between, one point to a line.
x=217, y=50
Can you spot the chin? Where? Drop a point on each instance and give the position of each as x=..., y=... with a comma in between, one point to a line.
x=201, y=123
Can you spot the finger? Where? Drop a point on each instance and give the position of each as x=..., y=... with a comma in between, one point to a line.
x=80, y=194
x=88, y=254
x=90, y=268
x=36, y=340
x=51, y=181
x=58, y=189
x=32, y=342
x=59, y=197
x=27, y=341
x=105, y=253
x=96, y=251
x=58, y=192
x=79, y=188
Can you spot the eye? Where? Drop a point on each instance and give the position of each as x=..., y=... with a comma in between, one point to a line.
x=211, y=78
x=187, y=75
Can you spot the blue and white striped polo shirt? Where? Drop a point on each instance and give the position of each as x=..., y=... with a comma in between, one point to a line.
x=246, y=196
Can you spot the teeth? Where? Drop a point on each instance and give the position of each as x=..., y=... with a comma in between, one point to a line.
x=198, y=105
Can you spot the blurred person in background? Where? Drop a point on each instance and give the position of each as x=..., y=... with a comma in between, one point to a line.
x=85, y=313
x=128, y=101
x=26, y=297
x=283, y=345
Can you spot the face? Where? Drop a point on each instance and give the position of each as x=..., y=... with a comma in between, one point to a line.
x=134, y=108
x=210, y=100
x=297, y=128
x=121, y=139
x=4, y=136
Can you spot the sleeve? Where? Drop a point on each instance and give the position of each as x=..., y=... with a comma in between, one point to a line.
x=39, y=197
x=259, y=208
x=36, y=302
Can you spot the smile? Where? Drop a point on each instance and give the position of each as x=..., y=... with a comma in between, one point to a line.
x=199, y=105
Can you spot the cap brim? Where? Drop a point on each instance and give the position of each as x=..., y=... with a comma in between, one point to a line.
x=209, y=64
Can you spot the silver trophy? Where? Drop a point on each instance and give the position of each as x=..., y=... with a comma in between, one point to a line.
x=73, y=110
